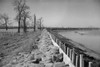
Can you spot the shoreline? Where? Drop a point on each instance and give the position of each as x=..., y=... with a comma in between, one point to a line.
x=79, y=47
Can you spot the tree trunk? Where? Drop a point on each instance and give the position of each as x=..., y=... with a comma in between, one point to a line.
x=34, y=26
x=19, y=25
x=25, y=27
x=6, y=25
x=34, y=23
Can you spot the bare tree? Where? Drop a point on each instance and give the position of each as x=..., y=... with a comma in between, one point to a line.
x=5, y=17
x=25, y=16
x=32, y=22
x=20, y=7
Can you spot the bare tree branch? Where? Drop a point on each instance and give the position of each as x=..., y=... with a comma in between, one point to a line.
x=5, y=17
x=21, y=7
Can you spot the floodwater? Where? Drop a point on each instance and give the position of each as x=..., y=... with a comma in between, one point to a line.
x=89, y=38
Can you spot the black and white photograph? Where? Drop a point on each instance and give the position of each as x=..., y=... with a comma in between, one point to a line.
x=49, y=33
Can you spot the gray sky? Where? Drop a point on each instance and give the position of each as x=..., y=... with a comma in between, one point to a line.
x=66, y=13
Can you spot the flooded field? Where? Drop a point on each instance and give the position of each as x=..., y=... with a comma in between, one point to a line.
x=89, y=38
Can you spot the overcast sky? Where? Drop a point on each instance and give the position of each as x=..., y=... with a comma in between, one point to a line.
x=66, y=13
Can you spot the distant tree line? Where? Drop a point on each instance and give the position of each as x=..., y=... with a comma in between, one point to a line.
x=70, y=28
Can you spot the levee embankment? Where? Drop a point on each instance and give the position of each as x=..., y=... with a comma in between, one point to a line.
x=43, y=53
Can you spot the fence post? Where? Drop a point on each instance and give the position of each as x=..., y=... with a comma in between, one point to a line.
x=68, y=51
x=60, y=44
x=56, y=40
x=81, y=60
x=90, y=64
x=73, y=55
x=64, y=48
x=76, y=62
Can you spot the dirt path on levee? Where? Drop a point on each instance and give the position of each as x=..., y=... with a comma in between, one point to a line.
x=34, y=51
